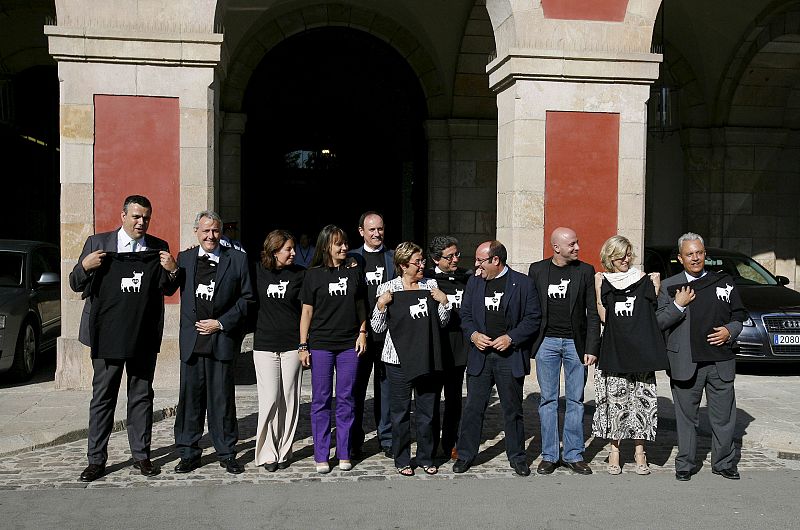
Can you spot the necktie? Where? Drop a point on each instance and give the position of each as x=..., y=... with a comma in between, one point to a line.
x=134, y=245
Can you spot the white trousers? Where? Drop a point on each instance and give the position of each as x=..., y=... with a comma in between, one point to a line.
x=278, y=375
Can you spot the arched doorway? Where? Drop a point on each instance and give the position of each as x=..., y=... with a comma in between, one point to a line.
x=334, y=128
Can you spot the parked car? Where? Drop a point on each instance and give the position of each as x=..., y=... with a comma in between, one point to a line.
x=772, y=333
x=30, y=304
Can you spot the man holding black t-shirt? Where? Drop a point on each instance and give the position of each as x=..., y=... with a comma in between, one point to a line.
x=377, y=265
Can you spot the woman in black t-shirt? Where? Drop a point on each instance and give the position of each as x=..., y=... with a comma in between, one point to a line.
x=332, y=337
x=278, y=369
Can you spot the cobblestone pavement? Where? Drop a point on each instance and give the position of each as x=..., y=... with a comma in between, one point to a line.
x=59, y=466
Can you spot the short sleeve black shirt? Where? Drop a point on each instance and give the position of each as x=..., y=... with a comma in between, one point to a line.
x=278, y=324
x=559, y=323
x=334, y=293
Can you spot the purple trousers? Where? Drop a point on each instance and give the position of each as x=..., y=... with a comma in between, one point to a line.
x=323, y=364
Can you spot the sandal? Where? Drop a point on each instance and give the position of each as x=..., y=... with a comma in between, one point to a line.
x=430, y=470
x=406, y=471
x=641, y=463
x=613, y=465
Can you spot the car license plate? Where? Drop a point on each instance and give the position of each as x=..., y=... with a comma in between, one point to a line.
x=780, y=339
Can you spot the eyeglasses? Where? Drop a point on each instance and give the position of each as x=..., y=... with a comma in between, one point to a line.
x=481, y=261
x=451, y=256
x=418, y=263
x=623, y=258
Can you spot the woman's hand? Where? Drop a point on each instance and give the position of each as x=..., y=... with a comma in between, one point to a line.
x=384, y=300
x=305, y=358
x=361, y=344
x=439, y=295
x=655, y=277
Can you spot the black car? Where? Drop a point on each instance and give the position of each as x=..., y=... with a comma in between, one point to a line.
x=30, y=303
x=772, y=333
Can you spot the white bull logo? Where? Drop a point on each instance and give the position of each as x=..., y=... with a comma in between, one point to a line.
x=132, y=284
x=492, y=303
x=724, y=293
x=204, y=291
x=558, y=291
x=277, y=290
x=624, y=308
x=420, y=310
x=338, y=288
x=375, y=278
x=455, y=299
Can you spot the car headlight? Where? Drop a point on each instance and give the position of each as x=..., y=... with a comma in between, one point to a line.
x=2, y=322
x=749, y=322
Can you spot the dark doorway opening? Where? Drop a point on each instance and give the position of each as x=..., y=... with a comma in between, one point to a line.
x=335, y=123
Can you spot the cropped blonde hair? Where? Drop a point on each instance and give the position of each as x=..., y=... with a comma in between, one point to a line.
x=615, y=247
x=403, y=253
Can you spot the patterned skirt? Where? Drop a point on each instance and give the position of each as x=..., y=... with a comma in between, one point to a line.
x=627, y=406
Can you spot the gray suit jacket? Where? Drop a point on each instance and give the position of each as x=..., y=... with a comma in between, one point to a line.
x=675, y=325
x=80, y=280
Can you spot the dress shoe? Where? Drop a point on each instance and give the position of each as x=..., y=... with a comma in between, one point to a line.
x=683, y=476
x=187, y=465
x=92, y=472
x=284, y=464
x=580, y=467
x=546, y=467
x=521, y=468
x=729, y=473
x=461, y=466
x=146, y=467
x=387, y=452
x=231, y=466
x=272, y=467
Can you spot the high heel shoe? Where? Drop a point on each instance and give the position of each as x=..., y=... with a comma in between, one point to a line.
x=613, y=461
x=641, y=463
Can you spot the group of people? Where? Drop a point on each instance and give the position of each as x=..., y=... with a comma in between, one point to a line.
x=416, y=331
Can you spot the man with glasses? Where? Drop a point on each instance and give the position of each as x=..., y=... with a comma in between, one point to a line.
x=569, y=337
x=452, y=280
x=500, y=316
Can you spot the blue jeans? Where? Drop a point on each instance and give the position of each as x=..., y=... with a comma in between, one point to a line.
x=552, y=354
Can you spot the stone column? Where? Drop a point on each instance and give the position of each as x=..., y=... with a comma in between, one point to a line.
x=128, y=62
x=230, y=181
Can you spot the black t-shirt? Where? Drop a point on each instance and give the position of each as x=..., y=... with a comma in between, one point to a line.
x=204, y=278
x=335, y=294
x=278, y=325
x=126, y=305
x=413, y=320
x=559, y=323
x=495, y=316
x=454, y=348
x=375, y=273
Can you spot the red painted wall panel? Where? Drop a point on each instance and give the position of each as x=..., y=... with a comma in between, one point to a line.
x=137, y=151
x=605, y=10
x=581, y=171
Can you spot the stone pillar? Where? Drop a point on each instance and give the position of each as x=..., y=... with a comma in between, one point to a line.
x=230, y=181
x=128, y=62
x=462, y=162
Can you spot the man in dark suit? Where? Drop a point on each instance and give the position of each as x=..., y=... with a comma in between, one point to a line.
x=130, y=237
x=377, y=262
x=500, y=317
x=689, y=375
x=215, y=295
x=569, y=337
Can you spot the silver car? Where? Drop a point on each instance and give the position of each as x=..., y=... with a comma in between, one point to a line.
x=30, y=304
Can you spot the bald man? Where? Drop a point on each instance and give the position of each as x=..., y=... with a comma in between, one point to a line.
x=570, y=337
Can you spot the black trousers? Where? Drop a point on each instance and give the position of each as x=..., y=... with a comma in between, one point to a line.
x=452, y=384
x=105, y=389
x=425, y=389
x=206, y=384
x=496, y=371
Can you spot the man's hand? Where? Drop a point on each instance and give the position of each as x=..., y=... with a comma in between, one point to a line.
x=719, y=337
x=480, y=340
x=93, y=260
x=501, y=343
x=167, y=261
x=589, y=360
x=684, y=296
x=207, y=326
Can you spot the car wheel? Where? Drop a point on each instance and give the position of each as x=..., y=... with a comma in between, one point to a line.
x=25, y=354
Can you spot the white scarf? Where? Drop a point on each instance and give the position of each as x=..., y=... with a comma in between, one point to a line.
x=621, y=280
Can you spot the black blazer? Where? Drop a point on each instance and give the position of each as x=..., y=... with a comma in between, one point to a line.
x=233, y=297
x=582, y=303
x=80, y=280
x=520, y=305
